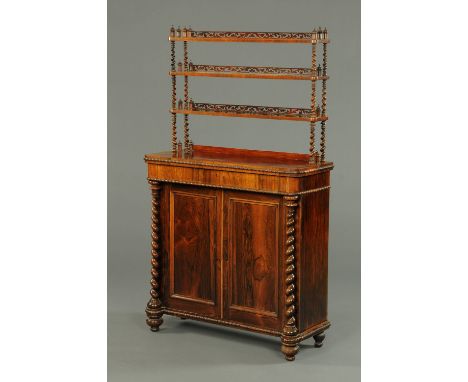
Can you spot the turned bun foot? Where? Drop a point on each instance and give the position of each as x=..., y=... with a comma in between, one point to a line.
x=154, y=324
x=289, y=351
x=319, y=340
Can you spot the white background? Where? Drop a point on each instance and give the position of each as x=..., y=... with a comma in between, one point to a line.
x=53, y=194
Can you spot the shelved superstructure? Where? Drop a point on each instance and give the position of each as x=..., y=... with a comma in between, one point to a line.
x=316, y=73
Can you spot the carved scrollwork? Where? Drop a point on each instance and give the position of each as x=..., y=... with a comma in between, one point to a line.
x=251, y=69
x=249, y=109
x=315, y=35
x=253, y=35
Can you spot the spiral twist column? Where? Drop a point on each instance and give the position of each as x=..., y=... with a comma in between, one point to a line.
x=324, y=104
x=186, y=99
x=154, y=310
x=288, y=342
x=312, y=103
x=173, y=101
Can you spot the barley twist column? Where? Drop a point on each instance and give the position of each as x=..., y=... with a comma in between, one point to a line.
x=173, y=101
x=324, y=104
x=312, y=102
x=289, y=345
x=186, y=99
x=154, y=309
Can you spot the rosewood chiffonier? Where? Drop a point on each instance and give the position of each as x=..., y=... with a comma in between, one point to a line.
x=240, y=237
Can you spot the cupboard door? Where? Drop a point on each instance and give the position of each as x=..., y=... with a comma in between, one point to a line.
x=193, y=227
x=251, y=240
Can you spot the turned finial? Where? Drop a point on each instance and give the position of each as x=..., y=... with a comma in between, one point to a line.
x=172, y=32
x=316, y=157
x=179, y=148
x=184, y=32
x=325, y=34
x=189, y=31
x=319, y=33
x=190, y=147
x=314, y=34
x=179, y=32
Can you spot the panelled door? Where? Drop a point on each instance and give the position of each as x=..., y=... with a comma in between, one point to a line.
x=251, y=261
x=193, y=259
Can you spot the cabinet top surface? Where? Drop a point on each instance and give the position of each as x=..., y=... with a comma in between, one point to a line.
x=242, y=159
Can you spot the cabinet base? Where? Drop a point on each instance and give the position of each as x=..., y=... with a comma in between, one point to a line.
x=289, y=349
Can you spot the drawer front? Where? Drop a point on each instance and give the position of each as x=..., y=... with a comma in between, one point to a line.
x=242, y=180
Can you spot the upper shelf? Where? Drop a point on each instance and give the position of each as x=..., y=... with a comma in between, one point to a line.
x=248, y=111
x=261, y=72
x=273, y=37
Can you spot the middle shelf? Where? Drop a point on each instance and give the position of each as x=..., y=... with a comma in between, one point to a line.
x=249, y=111
x=261, y=72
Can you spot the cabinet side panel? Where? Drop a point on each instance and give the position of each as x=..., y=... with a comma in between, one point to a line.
x=313, y=276
x=165, y=197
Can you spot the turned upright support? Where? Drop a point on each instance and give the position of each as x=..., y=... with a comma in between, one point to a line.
x=173, y=99
x=154, y=307
x=313, y=96
x=186, y=99
x=289, y=345
x=324, y=104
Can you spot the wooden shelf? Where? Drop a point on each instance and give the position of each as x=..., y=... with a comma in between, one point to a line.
x=269, y=37
x=260, y=72
x=243, y=159
x=248, y=111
